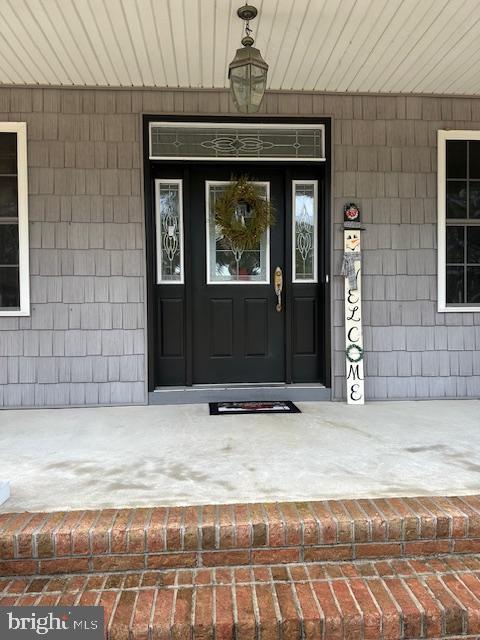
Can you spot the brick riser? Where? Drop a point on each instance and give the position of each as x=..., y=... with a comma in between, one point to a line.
x=396, y=599
x=232, y=535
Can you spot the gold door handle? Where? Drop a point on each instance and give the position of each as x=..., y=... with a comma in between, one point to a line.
x=278, y=283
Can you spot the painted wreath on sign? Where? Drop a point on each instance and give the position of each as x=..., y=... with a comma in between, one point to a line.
x=242, y=215
x=354, y=353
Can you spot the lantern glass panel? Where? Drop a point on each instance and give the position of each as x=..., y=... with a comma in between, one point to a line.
x=248, y=83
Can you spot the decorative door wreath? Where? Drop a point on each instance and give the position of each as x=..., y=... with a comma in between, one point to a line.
x=243, y=215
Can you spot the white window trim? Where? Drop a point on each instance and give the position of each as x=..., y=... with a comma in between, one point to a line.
x=314, y=279
x=158, y=230
x=20, y=128
x=220, y=183
x=442, y=136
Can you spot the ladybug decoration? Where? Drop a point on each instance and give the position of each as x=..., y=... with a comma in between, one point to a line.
x=351, y=213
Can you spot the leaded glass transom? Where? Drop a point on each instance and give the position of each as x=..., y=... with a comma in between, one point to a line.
x=305, y=231
x=169, y=228
x=224, y=142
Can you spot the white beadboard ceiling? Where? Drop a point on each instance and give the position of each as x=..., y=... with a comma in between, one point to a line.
x=386, y=46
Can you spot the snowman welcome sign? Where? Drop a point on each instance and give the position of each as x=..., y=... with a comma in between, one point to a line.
x=351, y=269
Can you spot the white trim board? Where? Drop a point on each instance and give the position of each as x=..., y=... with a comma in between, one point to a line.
x=20, y=128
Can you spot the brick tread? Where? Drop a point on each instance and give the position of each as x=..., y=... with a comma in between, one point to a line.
x=241, y=534
x=417, y=598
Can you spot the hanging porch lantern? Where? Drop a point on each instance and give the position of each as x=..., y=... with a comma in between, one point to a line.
x=248, y=70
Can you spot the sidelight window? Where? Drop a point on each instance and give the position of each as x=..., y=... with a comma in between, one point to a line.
x=169, y=231
x=459, y=220
x=14, y=270
x=305, y=230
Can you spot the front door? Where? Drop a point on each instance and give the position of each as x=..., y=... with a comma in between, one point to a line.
x=215, y=314
x=239, y=325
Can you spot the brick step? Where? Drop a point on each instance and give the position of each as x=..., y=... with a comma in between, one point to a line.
x=417, y=598
x=242, y=534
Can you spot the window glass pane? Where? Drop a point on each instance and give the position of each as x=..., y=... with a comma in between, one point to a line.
x=455, y=242
x=8, y=244
x=305, y=231
x=474, y=152
x=474, y=200
x=8, y=153
x=169, y=232
x=9, y=287
x=456, y=158
x=8, y=197
x=473, y=285
x=455, y=288
x=473, y=244
x=236, y=142
x=229, y=263
x=456, y=199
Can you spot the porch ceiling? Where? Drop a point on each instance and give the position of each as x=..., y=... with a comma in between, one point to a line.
x=397, y=46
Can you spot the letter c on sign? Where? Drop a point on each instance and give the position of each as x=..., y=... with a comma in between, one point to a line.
x=350, y=331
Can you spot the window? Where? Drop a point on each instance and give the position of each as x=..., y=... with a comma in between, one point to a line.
x=305, y=231
x=229, y=141
x=226, y=263
x=169, y=227
x=14, y=275
x=459, y=221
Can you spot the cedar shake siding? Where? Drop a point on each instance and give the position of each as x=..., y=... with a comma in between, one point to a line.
x=84, y=343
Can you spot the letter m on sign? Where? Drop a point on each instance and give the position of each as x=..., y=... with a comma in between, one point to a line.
x=354, y=372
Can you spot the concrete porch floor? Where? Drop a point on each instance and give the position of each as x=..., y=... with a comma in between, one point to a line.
x=60, y=459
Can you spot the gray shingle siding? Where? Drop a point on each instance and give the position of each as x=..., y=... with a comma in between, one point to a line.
x=84, y=342
x=86, y=248
x=412, y=351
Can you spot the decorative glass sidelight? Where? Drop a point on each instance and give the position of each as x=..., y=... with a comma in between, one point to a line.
x=169, y=231
x=229, y=264
x=305, y=230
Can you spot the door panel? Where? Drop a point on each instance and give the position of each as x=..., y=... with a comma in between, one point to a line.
x=305, y=323
x=238, y=317
x=256, y=326
x=172, y=329
x=221, y=323
x=307, y=289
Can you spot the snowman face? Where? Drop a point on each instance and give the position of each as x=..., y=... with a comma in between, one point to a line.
x=352, y=240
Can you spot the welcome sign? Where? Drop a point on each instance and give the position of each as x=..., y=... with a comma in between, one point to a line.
x=55, y=623
x=351, y=269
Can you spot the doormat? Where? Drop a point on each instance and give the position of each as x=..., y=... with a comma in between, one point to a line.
x=268, y=406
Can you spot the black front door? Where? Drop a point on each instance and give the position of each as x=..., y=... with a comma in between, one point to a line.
x=213, y=311
x=238, y=334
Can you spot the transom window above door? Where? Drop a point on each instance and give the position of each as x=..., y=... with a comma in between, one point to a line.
x=239, y=141
x=227, y=263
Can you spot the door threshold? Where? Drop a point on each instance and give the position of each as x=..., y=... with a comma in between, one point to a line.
x=235, y=385
x=198, y=394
